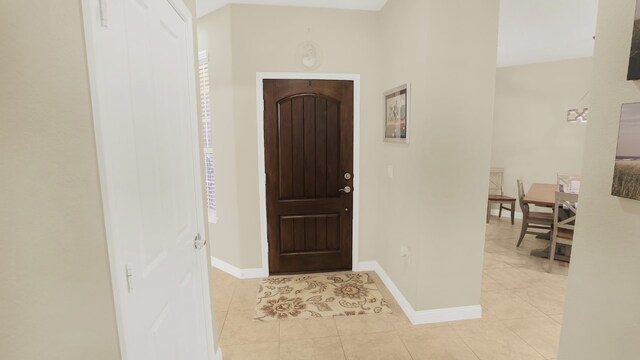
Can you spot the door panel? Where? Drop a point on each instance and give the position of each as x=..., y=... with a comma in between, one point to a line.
x=166, y=293
x=149, y=169
x=308, y=150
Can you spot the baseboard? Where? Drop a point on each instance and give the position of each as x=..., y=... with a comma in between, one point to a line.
x=236, y=271
x=365, y=266
x=420, y=316
x=447, y=314
x=517, y=215
x=391, y=286
x=218, y=355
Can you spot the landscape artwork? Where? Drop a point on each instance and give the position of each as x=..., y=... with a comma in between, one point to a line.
x=626, y=176
x=634, y=57
x=396, y=104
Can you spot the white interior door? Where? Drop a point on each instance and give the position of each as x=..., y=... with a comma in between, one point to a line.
x=142, y=79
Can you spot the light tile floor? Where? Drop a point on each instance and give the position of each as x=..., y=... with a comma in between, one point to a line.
x=522, y=315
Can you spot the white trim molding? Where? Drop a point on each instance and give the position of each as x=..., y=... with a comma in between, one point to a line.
x=203, y=7
x=421, y=316
x=218, y=354
x=260, y=76
x=222, y=265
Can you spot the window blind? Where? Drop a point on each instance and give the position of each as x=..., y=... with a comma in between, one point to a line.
x=205, y=104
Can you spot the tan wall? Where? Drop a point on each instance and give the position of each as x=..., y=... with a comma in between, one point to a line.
x=531, y=137
x=264, y=39
x=601, y=319
x=56, y=300
x=440, y=178
x=415, y=207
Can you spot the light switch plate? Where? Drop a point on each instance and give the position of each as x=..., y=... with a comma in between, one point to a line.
x=390, y=171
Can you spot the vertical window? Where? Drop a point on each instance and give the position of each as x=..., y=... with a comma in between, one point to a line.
x=205, y=102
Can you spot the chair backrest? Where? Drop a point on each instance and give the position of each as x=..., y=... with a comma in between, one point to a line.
x=568, y=202
x=524, y=207
x=495, y=181
x=569, y=183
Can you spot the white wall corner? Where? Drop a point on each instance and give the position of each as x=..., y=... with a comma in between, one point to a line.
x=365, y=266
x=447, y=314
x=251, y=273
x=421, y=316
x=218, y=354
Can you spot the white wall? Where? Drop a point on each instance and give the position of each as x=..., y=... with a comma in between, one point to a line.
x=601, y=318
x=55, y=286
x=265, y=39
x=436, y=200
x=531, y=137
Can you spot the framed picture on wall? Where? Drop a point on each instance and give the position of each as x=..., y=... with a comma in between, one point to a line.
x=397, y=114
x=626, y=173
x=634, y=57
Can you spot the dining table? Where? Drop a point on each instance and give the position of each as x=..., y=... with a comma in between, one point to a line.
x=544, y=195
x=541, y=195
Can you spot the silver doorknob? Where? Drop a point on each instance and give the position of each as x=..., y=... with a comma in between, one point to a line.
x=346, y=190
x=198, y=242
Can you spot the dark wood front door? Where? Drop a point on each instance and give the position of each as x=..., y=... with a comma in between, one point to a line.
x=308, y=130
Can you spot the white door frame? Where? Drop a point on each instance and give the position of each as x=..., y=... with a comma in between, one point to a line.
x=260, y=76
x=96, y=21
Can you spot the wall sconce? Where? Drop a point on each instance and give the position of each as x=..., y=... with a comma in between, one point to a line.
x=575, y=116
x=309, y=55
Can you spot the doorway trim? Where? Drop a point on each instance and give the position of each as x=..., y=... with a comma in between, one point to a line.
x=262, y=179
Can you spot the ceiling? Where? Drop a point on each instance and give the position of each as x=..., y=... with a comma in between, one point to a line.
x=531, y=31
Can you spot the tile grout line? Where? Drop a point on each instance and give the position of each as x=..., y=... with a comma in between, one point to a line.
x=455, y=331
x=340, y=338
x=534, y=306
x=235, y=284
x=405, y=345
x=526, y=342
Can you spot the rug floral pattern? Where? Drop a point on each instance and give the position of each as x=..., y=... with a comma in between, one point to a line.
x=318, y=295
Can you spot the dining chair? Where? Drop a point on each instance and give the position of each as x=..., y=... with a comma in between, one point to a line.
x=532, y=220
x=568, y=183
x=497, y=196
x=565, y=213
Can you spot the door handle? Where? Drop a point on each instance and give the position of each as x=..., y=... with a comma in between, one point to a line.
x=346, y=190
x=198, y=242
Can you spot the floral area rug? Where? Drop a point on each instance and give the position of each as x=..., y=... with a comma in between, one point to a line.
x=318, y=295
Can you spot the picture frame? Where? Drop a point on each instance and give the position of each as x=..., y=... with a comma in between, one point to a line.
x=626, y=173
x=397, y=114
x=633, y=72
